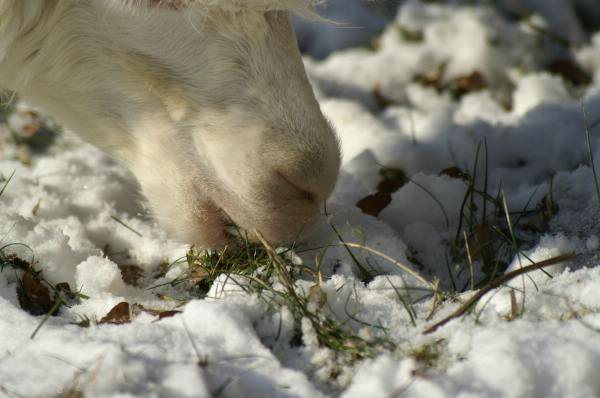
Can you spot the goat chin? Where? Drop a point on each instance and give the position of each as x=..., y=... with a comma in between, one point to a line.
x=207, y=102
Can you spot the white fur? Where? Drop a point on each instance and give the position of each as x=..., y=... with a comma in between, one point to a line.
x=206, y=101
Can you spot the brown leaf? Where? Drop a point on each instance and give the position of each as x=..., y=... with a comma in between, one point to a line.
x=33, y=296
x=118, y=314
x=381, y=100
x=473, y=82
x=434, y=79
x=374, y=203
x=16, y=262
x=131, y=274
x=454, y=172
x=36, y=208
x=570, y=71
x=159, y=313
x=167, y=314
x=391, y=180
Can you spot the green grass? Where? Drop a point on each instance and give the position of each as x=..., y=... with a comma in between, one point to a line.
x=256, y=268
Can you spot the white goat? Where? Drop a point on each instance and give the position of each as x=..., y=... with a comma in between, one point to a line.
x=206, y=101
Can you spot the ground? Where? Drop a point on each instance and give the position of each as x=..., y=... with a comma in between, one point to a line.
x=469, y=136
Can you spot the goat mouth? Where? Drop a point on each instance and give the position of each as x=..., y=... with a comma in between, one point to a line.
x=286, y=223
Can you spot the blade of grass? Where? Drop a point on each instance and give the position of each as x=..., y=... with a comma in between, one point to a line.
x=589, y=151
x=7, y=181
x=127, y=226
x=440, y=205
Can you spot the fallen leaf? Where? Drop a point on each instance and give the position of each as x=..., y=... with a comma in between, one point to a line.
x=119, y=314
x=391, y=180
x=381, y=100
x=434, y=79
x=33, y=296
x=131, y=274
x=16, y=262
x=473, y=82
x=570, y=71
x=167, y=314
x=159, y=313
x=454, y=172
x=36, y=208
x=374, y=203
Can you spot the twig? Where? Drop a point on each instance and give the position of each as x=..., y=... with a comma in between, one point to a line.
x=496, y=283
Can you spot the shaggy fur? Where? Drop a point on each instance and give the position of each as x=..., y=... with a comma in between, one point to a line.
x=206, y=101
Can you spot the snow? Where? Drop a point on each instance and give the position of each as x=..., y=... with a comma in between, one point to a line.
x=77, y=216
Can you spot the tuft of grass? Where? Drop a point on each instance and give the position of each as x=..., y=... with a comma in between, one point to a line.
x=271, y=274
x=331, y=333
x=486, y=238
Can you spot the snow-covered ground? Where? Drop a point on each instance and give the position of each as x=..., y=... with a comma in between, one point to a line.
x=441, y=82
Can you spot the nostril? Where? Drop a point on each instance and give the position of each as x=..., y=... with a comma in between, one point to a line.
x=302, y=193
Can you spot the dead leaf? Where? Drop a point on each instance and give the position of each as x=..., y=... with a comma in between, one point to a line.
x=391, y=180
x=167, y=314
x=119, y=314
x=381, y=100
x=131, y=274
x=159, y=313
x=72, y=393
x=473, y=82
x=570, y=71
x=454, y=172
x=434, y=79
x=33, y=296
x=374, y=203
x=36, y=208
x=16, y=262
